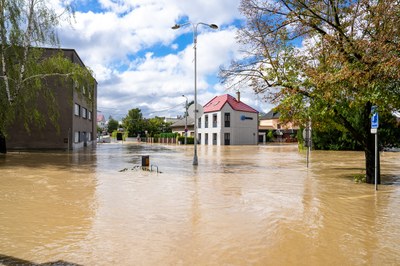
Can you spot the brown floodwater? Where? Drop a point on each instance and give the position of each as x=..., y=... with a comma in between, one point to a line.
x=242, y=205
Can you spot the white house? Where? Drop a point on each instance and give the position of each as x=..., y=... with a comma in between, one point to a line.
x=228, y=121
x=101, y=121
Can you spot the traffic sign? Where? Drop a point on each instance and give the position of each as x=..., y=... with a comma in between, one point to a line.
x=374, y=118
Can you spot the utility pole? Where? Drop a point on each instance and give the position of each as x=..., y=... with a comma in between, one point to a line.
x=186, y=114
x=175, y=27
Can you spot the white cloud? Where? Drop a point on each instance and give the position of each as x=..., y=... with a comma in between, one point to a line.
x=168, y=77
x=122, y=46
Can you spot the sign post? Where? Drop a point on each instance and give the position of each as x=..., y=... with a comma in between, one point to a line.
x=374, y=130
x=307, y=140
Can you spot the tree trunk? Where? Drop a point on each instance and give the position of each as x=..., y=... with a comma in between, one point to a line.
x=3, y=147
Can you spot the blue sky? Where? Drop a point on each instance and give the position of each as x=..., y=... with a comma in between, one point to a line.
x=140, y=62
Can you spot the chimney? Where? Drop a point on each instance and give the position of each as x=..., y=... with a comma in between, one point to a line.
x=238, y=96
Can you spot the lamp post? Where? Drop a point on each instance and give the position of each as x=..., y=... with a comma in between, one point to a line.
x=195, y=25
x=186, y=114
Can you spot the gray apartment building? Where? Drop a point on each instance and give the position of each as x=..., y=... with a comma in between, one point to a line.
x=77, y=109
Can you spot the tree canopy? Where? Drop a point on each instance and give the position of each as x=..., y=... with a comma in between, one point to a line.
x=325, y=60
x=134, y=122
x=26, y=25
x=112, y=125
x=136, y=125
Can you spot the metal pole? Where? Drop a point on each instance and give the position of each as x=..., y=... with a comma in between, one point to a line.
x=310, y=136
x=186, y=113
x=308, y=142
x=195, y=161
x=69, y=137
x=177, y=26
x=376, y=161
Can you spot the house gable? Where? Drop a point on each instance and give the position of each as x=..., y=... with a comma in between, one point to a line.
x=218, y=102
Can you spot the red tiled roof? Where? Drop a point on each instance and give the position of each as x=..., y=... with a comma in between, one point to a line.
x=100, y=117
x=218, y=102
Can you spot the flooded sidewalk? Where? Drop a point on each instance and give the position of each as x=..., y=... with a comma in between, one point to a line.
x=242, y=205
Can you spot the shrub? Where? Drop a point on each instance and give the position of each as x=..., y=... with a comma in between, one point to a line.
x=168, y=135
x=190, y=140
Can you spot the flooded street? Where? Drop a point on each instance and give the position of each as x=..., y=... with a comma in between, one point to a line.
x=242, y=205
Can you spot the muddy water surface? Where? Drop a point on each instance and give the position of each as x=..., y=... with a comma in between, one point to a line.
x=240, y=206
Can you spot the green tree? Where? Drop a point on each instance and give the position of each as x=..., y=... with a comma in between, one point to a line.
x=99, y=130
x=134, y=122
x=112, y=125
x=157, y=125
x=25, y=69
x=325, y=60
x=334, y=139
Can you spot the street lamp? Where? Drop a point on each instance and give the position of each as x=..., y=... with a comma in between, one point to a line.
x=195, y=25
x=186, y=114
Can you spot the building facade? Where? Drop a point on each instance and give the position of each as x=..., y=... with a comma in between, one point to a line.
x=101, y=122
x=282, y=132
x=180, y=125
x=77, y=123
x=227, y=121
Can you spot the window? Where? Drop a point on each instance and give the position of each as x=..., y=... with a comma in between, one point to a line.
x=214, y=120
x=92, y=92
x=214, y=138
x=199, y=123
x=89, y=136
x=76, y=136
x=90, y=115
x=77, y=109
x=206, y=121
x=84, y=112
x=206, y=138
x=227, y=138
x=199, y=138
x=227, y=119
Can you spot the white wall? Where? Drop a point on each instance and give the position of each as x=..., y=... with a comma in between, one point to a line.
x=242, y=132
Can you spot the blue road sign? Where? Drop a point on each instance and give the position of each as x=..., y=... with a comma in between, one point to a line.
x=374, y=118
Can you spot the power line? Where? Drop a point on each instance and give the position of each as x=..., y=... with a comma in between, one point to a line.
x=170, y=108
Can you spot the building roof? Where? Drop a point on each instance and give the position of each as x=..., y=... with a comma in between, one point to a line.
x=218, y=102
x=272, y=114
x=100, y=118
x=181, y=122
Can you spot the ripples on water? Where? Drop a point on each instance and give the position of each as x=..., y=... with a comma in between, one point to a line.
x=242, y=205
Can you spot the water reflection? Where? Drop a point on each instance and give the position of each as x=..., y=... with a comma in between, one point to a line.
x=242, y=205
x=46, y=203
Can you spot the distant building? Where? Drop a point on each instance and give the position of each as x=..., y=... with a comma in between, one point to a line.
x=101, y=121
x=179, y=126
x=77, y=121
x=228, y=121
x=171, y=119
x=283, y=132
